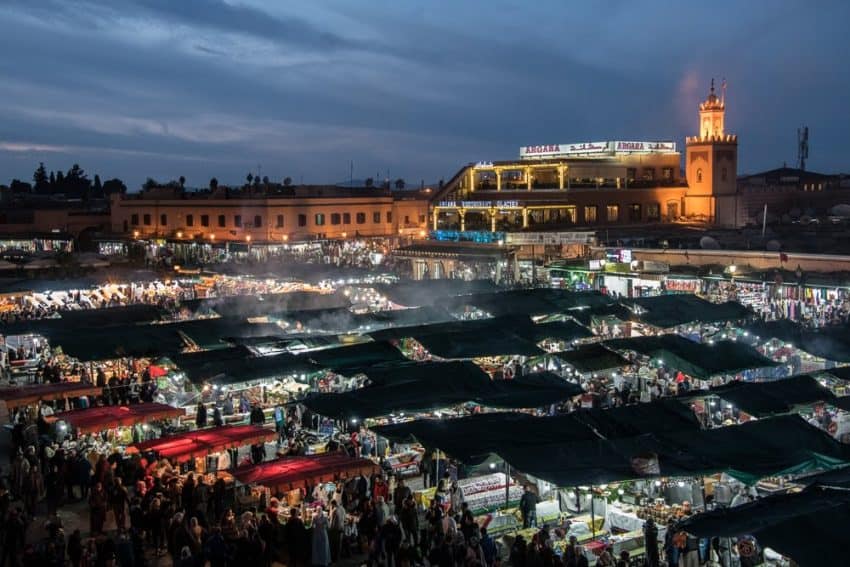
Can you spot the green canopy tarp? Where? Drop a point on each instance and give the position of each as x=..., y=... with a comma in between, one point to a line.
x=831, y=343
x=351, y=359
x=679, y=309
x=780, y=521
x=236, y=369
x=700, y=360
x=754, y=450
x=536, y=302
x=592, y=358
x=432, y=292
x=244, y=306
x=762, y=399
x=438, y=385
x=473, y=438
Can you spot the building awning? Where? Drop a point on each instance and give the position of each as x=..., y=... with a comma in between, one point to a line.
x=289, y=473
x=107, y=417
x=185, y=446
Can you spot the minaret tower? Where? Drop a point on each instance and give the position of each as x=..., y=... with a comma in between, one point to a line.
x=711, y=161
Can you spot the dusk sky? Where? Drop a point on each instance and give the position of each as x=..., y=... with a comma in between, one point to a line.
x=206, y=88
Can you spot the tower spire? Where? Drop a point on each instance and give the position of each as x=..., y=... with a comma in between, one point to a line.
x=712, y=85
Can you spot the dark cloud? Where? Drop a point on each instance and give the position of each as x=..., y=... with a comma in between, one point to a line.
x=203, y=88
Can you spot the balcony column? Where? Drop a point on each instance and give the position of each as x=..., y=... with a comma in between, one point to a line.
x=461, y=213
x=434, y=215
x=525, y=217
x=561, y=177
x=492, y=220
x=471, y=179
x=498, y=180
x=528, y=178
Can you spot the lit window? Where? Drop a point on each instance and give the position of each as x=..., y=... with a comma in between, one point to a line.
x=590, y=214
x=320, y=219
x=612, y=213
x=699, y=175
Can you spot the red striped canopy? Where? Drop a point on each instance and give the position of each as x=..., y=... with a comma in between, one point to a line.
x=288, y=473
x=16, y=396
x=106, y=417
x=184, y=446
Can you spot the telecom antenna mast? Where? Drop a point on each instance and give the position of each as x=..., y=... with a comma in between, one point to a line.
x=802, y=147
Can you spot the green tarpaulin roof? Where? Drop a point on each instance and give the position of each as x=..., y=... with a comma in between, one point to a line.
x=257, y=305
x=472, y=438
x=592, y=358
x=437, y=385
x=776, y=445
x=352, y=359
x=151, y=340
x=699, y=360
x=761, y=399
x=831, y=343
x=780, y=522
x=431, y=292
x=532, y=302
x=679, y=309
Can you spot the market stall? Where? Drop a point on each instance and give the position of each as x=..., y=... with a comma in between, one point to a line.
x=92, y=420
x=195, y=445
x=286, y=474
x=16, y=396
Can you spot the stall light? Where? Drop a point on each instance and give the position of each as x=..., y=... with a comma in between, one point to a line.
x=212, y=236
x=248, y=238
x=657, y=483
x=620, y=491
x=747, y=334
x=179, y=234
x=492, y=466
x=733, y=268
x=354, y=421
x=145, y=426
x=680, y=484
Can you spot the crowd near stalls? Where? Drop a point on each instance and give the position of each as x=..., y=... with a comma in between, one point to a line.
x=447, y=422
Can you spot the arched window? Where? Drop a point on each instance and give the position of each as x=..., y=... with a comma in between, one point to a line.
x=699, y=175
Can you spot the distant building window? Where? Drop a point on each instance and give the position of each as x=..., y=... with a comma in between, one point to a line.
x=406, y=220
x=222, y=221
x=653, y=212
x=590, y=214
x=631, y=173
x=190, y=220
x=612, y=213
x=205, y=220
x=699, y=175
x=376, y=217
x=163, y=220
x=649, y=173
x=302, y=220
x=146, y=219
x=634, y=212
x=320, y=219
x=421, y=219
x=237, y=221
x=134, y=219
x=361, y=218
x=336, y=218
x=346, y=218
x=389, y=216
x=279, y=223
x=723, y=174
x=258, y=221
x=667, y=173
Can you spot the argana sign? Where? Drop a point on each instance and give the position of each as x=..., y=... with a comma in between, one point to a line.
x=594, y=148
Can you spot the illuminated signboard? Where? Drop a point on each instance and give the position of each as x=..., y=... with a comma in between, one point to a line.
x=478, y=204
x=595, y=148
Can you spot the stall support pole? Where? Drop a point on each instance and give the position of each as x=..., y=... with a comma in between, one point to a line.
x=592, y=515
x=507, y=485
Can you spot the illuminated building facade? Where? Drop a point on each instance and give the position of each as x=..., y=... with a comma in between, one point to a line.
x=269, y=216
x=594, y=184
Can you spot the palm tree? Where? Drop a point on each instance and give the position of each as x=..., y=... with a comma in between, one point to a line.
x=213, y=184
x=182, y=181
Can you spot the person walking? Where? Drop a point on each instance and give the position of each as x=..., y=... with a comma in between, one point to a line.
x=119, y=501
x=97, y=509
x=321, y=551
